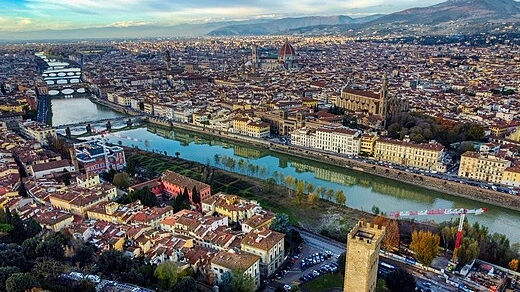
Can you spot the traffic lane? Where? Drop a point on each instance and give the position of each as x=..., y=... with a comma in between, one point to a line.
x=421, y=276
x=321, y=243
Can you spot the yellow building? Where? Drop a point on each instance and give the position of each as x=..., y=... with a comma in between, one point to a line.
x=368, y=143
x=362, y=256
x=246, y=127
x=233, y=207
x=268, y=245
x=106, y=211
x=483, y=167
x=309, y=102
x=499, y=130
x=37, y=131
x=425, y=156
x=282, y=122
x=54, y=220
x=511, y=176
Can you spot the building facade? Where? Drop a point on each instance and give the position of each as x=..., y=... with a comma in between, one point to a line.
x=483, y=167
x=175, y=183
x=37, y=131
x=362, y=256
x=226, y=261
x=268, y=245
x=95, y=157
x=427, y=156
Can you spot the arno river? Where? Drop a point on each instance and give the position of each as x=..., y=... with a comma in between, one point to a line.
x=362, y=190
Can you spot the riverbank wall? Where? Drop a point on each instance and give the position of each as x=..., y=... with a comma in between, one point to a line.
x=448, y=187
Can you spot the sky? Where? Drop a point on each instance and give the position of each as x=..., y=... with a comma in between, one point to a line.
x=31, y=15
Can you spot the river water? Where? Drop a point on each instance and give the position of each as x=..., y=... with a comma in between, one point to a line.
x=362, y=190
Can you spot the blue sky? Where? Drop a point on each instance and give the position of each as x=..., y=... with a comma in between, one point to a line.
x=24, y=15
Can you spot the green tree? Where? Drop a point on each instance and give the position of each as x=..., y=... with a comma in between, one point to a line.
x=177, y=154
x=147, y=198
x=321, y=191
x=121, y=180
x=18, y=234
x=185, y=284
x=341, y=199
x=241, y=282
x=12, y=257
x=33, y=228
x=5, y=273
x=51, y=247
x=425, y=246
x=166, y=274
x=280, y=223
x=130, y=165
x=400, y=281
x=113, y=264
x=20, y=282
x=46, y=268
x=330, y=194
x=29, y=248
x=195, y=196
x=468, y=250
x=341, y=263
x=83, y=253
x=448, y=234
x=289, y=180
x=8, y=218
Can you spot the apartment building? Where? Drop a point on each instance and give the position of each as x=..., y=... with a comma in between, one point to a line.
x=95, y=156
x=339, y=140
x=37, y=131
x=483, y=167
x=268, y=245
x=232, y=260
x=427, y=156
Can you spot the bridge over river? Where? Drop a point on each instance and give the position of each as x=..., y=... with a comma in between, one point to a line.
x=100, y=125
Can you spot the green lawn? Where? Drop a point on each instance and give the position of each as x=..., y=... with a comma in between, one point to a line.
x=324, y=282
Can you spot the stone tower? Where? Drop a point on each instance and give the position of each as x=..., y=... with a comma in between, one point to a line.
x=383, y=98
x=362, y=256
x=254, y=58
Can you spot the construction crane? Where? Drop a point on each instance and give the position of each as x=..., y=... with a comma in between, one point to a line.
x=459, y=211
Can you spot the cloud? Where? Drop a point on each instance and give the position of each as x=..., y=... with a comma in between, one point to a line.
x=90, y=13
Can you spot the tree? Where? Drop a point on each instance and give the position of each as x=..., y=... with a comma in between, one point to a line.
x=341, y=263
x=513, y=265
x=8, y=217
x=20, y=282
x=309, y=187
x=177, y=154
x=83, y=253
x=425, y=246
x=320, y=191
x=51, y=247
x=241, y=282
x=32, y=227
x=146, y=197
x=185, y=284
x=195, y=196
x=12, y=257
x=18, y=233
x=46, y=268
x=289, y=180
x=121, y=180
x=468, y=250
x=448, y=234
x=166, y=274
x=311, y=199
x=5, y=273
x=340, y=197
x=280, y=223
x=392, y=237
x=375, y=210
x=330, y=194
x=113, y=263
x=400, y=281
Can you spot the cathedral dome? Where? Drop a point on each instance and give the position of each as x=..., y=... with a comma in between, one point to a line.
x=286, y=50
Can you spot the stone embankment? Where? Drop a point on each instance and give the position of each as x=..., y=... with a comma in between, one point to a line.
x=440, y=185
x=436, y=184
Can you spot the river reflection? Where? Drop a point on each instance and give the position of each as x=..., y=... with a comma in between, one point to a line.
x=362, y=190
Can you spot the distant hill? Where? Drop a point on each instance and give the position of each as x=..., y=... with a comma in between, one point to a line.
x=452, y=16
x=283, y=25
